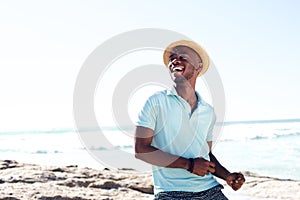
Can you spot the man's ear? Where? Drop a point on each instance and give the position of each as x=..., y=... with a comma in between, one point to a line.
x=200, y=67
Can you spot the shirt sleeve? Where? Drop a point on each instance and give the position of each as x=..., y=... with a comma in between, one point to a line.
x=209, y=137
x=147, y=116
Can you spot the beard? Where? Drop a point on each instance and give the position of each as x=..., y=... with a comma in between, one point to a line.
x=191, y=73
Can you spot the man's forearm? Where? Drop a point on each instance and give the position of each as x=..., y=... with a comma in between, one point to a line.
x=160, y=158
x=220, y=171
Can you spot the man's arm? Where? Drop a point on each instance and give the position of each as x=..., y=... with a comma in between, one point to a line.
x=146, y=152
x=234, y=180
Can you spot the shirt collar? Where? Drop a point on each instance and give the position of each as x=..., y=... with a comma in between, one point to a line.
x=172, y=91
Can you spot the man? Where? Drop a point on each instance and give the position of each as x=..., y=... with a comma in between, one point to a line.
x=174, y=132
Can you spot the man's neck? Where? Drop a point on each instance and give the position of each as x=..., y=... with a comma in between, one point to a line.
x=187, y=92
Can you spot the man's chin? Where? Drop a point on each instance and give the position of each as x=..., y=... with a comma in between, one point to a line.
x=178, y=77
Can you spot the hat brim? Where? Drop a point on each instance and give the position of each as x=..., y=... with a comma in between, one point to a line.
x=193, y=45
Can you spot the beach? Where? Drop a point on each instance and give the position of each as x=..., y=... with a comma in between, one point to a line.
x=31, y=181
x=39, y=164
x=75, y=77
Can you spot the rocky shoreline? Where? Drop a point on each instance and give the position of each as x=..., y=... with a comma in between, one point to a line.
x=29, y=181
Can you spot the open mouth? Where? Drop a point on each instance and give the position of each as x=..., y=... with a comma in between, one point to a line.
x=177, y=69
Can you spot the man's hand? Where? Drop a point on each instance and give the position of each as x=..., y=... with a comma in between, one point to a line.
x=235, y=180
x=203, y=167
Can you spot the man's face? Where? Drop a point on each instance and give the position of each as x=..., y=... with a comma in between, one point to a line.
x=184, y=61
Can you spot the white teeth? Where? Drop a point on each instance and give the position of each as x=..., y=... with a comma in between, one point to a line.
x=177, y=69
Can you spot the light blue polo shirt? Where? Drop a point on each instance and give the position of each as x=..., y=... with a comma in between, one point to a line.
x=180, y=132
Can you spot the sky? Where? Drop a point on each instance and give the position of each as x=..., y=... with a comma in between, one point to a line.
x=255, y=46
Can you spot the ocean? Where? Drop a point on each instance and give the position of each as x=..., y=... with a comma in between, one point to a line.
x=268, y=148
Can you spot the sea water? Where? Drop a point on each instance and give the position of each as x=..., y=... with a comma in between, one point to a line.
x=268, y=148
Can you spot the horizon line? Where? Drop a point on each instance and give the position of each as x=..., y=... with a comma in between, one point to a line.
x=112, y=127
x=260, y=121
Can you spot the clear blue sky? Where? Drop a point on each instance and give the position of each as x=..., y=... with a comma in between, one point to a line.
x=43, y=44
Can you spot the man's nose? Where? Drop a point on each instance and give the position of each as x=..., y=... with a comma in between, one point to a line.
x=173, y=62
x=176, y=60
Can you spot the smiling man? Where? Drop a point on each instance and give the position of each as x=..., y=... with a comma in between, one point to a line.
x=174, y=132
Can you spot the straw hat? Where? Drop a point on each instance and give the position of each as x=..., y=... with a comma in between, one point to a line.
x=193, y=45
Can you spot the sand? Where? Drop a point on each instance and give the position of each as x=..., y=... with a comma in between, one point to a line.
x=29, y=181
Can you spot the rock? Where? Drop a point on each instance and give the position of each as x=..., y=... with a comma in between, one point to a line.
x=27, y=181
x=105, y=185
x=5, y=164
x=60, y=198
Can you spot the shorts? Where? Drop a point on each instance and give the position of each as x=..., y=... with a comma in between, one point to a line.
x=214, y=193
